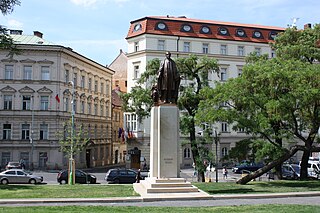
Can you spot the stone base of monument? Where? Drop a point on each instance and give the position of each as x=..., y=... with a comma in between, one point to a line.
x=168, y=188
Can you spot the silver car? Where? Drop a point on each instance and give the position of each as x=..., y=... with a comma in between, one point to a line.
x=19, y=176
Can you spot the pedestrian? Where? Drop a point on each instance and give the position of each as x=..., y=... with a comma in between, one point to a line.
x=138, y=177
x=23, y=166
x=225, y=173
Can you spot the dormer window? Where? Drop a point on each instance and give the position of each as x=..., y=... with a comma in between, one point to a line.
x=161, y=26
x=272, y=35
x=137, y=27
x=257, y=34
x=223, y=31
x=186, y=28
x=241, y=33
x=205, y=30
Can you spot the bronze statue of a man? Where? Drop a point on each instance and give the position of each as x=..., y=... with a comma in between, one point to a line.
x=168, y=80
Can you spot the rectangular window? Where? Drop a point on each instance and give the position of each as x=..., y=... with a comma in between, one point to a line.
x=96, y=86
x=82, y=107
x=223, y=49
x=82, y=81
x=240, y=50
x=90, y=84
x=44, y=102
x=6, y=157
x=130, y=122
x=107, y=88
x=136, y=72
x=8, y=72
x=101, y=88
x=67, y=76
x=75, y=77
x=136, y=46
x=26, y=102
x=205, y=48
x=95, y=109
x=101, y=109
x=89, y=108
x=45, y=74
x=257, y=50
x=186, y=46
x=6, y=132
x=7, y=105
x=66, y=105
x=25, y=131
x=224, y=127
x=161, y=44
x=27, y=72
x=44, y=132
x=223, y=74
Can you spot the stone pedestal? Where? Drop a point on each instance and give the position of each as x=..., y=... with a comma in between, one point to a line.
x=164, y=142
x=164, y=176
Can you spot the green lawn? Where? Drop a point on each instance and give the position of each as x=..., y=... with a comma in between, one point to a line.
x=126, y=190
x=259, y=187
x=123, y=209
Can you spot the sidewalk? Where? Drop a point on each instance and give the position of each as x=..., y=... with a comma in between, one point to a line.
x=36, y=201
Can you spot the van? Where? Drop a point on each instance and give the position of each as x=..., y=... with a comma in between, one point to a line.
x=313, y=168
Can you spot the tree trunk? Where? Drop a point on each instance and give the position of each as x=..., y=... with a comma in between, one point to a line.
x=268, y=167
x=304, y=164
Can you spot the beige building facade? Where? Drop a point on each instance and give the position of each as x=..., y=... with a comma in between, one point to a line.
x=229, y=43
x=36, y=99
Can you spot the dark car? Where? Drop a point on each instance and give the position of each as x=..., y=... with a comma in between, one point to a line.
x=13, y=165
x=290, y=171
x=80, y=177
x=121, y=175
x=252, y=167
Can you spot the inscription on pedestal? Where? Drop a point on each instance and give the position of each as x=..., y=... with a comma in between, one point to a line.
x=168, y=160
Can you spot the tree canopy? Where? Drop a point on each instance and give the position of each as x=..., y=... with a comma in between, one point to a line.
x=274, y=99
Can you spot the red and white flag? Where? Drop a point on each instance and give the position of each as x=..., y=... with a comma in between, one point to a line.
x=57, y=98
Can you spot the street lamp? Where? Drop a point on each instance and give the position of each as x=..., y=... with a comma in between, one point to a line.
x=216, y=140
x=31, y=135
x=71, y=160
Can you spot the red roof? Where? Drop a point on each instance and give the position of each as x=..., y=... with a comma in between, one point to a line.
x=148, y=26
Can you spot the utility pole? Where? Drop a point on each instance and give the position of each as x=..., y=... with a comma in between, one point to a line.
x=216, y=140
x=31, y=135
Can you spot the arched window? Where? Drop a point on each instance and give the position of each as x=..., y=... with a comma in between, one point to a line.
x=186, y=153
x=224, y=151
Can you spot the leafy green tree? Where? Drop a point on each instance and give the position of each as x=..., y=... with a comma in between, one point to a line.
x=72, y=142
x=196, y=71
x=275, y=99
x=6, y=42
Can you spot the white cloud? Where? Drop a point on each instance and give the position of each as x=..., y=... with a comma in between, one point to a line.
x=14, y=24
x=85, y=3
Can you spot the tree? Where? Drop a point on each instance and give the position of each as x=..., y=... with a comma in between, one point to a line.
x=196, y=71
x=6, y=42
x=274, y=99
x=71, y=143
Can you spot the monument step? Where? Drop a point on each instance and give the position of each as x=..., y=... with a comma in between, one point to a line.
x=167, y=180
x=172, y=190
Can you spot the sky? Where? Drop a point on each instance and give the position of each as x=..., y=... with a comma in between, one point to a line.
x=97, y=28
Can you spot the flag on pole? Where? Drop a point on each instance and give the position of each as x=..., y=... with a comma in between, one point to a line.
x=57, y=98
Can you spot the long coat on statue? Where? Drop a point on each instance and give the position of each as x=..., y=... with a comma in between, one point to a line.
x=168, y=78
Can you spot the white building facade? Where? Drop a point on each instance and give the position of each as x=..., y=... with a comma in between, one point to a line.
x=35, y=104
x=229, y=43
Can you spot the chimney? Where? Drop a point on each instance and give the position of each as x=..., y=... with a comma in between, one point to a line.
x=306, y=26
x=37, y=33
x=16, y=32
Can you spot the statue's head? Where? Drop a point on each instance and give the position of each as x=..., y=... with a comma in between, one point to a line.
x=168, y=54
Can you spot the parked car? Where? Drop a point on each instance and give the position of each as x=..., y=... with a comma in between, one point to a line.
x=122, y=175
x=19, y=176
x=252, y=167
x=80, y=177
x=13, y=165
x=291, y=171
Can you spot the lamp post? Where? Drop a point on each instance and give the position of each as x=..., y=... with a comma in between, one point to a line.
x=31, y=135
x=216, y=140
x=71, y=160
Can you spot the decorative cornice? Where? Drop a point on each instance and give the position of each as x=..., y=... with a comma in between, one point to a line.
x=44, y=90
x=8, y=89
x=26, y=89
x=27, y=61
x=45, y=61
